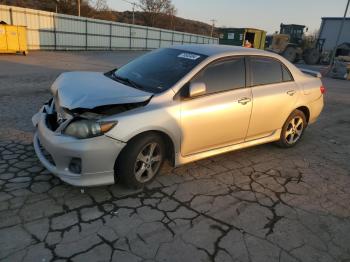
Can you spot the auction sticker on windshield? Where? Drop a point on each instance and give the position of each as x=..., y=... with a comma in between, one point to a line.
x=189, y=56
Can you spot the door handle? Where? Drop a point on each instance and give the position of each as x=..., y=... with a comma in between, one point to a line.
x=291, y=92
x=244, y=100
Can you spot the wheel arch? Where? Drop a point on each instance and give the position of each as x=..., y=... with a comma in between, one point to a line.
x=306, y=112
x=168, y=142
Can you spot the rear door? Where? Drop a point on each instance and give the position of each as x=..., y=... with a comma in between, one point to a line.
x=274, y=96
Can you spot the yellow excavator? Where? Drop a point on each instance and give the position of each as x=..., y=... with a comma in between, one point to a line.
x=292, y=45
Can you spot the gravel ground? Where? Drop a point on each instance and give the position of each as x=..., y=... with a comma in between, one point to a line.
x=258, y=204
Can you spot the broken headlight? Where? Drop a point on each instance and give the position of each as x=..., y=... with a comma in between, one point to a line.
x=85, y=128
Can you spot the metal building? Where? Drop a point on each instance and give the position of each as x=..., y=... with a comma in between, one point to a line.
x=329, y=30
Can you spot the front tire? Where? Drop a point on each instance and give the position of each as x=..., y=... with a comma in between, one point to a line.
x=293, y=129
x=140, y=161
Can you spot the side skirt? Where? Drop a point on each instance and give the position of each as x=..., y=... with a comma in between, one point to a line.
x=180, y=160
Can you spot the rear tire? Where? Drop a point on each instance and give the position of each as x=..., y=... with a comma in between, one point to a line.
x=140, y=161
x=290, y=53
x=293, y=129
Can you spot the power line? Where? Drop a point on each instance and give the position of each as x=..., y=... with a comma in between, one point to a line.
x=126, y=1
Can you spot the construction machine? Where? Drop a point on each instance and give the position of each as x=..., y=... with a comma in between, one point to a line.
x=294, y=46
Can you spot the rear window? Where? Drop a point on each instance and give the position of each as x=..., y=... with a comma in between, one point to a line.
x=265, y=71
x=286, y=74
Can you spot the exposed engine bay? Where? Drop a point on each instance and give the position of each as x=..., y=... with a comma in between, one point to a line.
x=59, y=117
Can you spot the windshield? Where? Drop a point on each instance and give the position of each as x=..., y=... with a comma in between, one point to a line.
x=159, y=70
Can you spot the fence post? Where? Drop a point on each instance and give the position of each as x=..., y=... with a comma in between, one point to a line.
x=26, y=18
x=172, y=38
x=54, y=31
x=130, y=42
x=183, y=38
x=160, y=38
x=110, y=36
x=11, y=16
x=86, y=34
x=146, y=38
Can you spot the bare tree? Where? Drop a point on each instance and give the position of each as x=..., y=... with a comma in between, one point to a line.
x=172, y=13
x=100, y=5
x=70, y=7
x=102, y=10
x=154, y=8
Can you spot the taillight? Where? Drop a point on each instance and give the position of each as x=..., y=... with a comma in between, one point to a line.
x=322, y=89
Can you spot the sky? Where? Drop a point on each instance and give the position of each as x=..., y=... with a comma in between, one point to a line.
x=262, y=14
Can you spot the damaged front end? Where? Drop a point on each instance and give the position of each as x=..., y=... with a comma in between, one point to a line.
x=82, y=123
x=84, y=105
x=60, y=145
x=81, y=100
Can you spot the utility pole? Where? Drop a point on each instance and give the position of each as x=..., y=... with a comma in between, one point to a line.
x=172, y=25
x=339, y=33
x=172, y=20
x=213, y=25
x=133, y=12
x=78, y=7
x=134, y=4
x=56, y=5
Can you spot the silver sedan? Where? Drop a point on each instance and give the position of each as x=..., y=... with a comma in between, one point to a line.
x=182, y=103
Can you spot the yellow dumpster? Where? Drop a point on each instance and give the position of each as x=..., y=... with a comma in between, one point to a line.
x=13, y=39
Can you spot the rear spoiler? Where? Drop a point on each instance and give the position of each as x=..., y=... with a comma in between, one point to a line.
x=311, y=72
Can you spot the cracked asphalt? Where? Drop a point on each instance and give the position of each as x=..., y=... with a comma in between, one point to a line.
x=259, y=204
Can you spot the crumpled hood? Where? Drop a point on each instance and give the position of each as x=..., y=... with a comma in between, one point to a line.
x=91, y=89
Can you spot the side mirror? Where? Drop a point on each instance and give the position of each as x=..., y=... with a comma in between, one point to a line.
x=197, y=89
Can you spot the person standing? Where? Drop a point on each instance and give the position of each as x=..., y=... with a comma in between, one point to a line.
x=248, y=44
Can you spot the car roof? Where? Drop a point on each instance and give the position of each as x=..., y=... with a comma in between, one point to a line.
x=213, y=50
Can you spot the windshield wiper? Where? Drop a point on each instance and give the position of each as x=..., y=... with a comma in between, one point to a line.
x=127, y=81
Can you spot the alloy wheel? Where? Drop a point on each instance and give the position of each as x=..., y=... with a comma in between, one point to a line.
x=294, y=130
x=148, y=162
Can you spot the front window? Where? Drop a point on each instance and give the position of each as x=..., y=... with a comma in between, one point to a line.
x=223, y=75
x=159, y=70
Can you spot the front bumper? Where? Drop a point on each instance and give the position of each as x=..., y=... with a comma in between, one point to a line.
x=56, y=151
